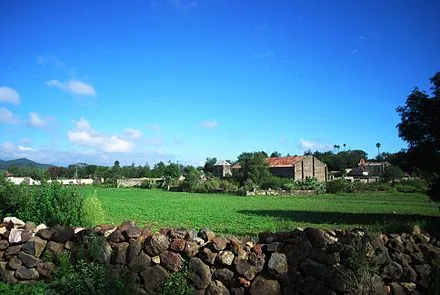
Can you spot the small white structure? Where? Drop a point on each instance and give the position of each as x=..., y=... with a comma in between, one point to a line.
x=81, y=181
x=26, y=180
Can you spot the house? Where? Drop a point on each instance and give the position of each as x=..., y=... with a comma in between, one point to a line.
x=26, y=180
x=222, y=169
x=298, y=167
x=367, y=171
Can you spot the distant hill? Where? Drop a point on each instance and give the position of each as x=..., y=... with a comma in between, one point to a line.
x=23, y=162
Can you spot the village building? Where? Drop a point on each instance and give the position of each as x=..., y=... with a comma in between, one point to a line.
x=222, y=169
x=298, y=167
x=367, y=171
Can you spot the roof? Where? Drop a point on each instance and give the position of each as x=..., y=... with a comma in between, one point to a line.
x=283, y=161
x=222, y=163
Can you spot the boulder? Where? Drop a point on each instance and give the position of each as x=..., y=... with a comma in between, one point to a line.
x=424, y=272
x=296, y=254
x=115, y=237
x=154, y=278
x=40, y=227
x=46, y=269
x=191, y=249
x=206, y=234
x=62, y=234
x=15, y=222
x=9, y=276
x=278, y=264
x=24, y=273
x=316, y=237
x=323, y=257
x=244, y=268
x=275, y=247
x=28, y=260
x=55, y=248
x=178, y=245
x=392, y=271
x=219, y=243
x=199, y=273
x=133, y=250
x=4, y=244
x=171, y=261
x=314, y=269
x=342, y=280
x=409, y=274
x=216, y=288
x=155, y=259
x=14, y=263
x=12, y=250
x=397, y=289
x=154, y=245
x=30, y=226
x=132, y=233
x=35, y=246
x=207, y=255
x=45, y=233
x=225, y=257
x=140, y=263
x=119, y=255
x=19, y=236
x=265, y=286
x=224, y=275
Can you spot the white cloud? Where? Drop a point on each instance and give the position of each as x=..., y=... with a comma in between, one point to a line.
x=210, y=124
x=26, y=148
x=84, y=135
x=313, y=146
x=73, y=86
x=133, y=134
x=7, y=94
x=35, y=120
x=7, y=116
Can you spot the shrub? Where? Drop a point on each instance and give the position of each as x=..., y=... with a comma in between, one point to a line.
x=411, y=186
x=93, y=212
x=177, y=283
x=336, y=186
x=228, y=186
x=311, y=183
x=273, y=182
x=21, y=289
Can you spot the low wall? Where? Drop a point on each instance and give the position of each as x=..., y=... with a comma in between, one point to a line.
x=279, y=192
x=132, y=182
x=309, y=261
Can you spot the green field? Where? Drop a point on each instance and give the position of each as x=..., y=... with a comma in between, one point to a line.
x=242, y=216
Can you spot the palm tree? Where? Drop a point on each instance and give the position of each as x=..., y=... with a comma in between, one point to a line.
x=344, y=145
x=378, y=149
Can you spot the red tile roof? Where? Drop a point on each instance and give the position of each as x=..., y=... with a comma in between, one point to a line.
x=283, y=161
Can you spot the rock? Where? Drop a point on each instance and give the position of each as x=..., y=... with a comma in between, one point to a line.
x=140, y=263
x=314, y=269
x=296, y=254
x=409, y=274
x=401, y=258
x=46, y=269
x=14, y=263
x=154, y=278
x=119, y=255
x=397, y=289
x=45, y=233
x=3, y=229
x=424, y=272
x=24, y=273
x=9, y=276
x=225, y=257
x=416, y=230
x=191, y=235
x=322, y=257
x=418, y=258
x=316, y=237
x=55, y=248
x=62, y=234
x=199, y=273
x=216, y=288
x=12, y=250
x=191, y=249
x=155, y=259
x=219, y=243
x=40, y=227
x=275, y=247
x=133, y=250
x=107, y=252
x=207, y=255
x=154, y=245
x=264, y=286
x=258, y=260
x=237, y=291
x=4, y=244
x=223, y=274
x=409, y=288
x=19, y=236
x=392, y=271
x=278, y=264
x=28, y=260
x=178, y=245
x=116, y=237
x=132, y=233
x=127, y=224
x=69, y=245
x=179, y=233
x=14, y=221
x=35, y=246
x=30, y=226
x=245, y=269
x=342, y=280
x=206, y=234
x=171, y=261
x=377, y=286
x=423, y=238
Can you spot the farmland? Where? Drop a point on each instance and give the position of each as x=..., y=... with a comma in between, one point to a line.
x=243, y=216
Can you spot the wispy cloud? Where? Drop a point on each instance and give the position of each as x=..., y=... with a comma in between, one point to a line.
x=8, y=117
x=26, y=148
x=52, y=61
x=354, y=51
x=133, y=134
x=209, y=124
x=313, y=145
x=35, y=120
x=7, y=94
x=363, y=38
x=265, y=54
x=84, y=135
x=73, y=86
x=184, y=4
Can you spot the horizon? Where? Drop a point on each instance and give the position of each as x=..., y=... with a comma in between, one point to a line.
x=183, y=80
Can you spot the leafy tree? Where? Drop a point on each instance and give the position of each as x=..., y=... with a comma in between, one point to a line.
x=275, y=155
x=209, y=165
x=192, y=177
x=378, y=148
x=172, y=170
x=420, y=128
x=253, y=167
x=392, y=173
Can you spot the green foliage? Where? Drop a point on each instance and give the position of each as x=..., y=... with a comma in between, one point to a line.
x=208, y=186
x=411, y=186
x=273, y=182
x=253, y=167
x=23, y=289
x=341, y=160
x=208, y=168
x=48, y=203
x=311, y=183
x=392, y=173
x=94, y=214
x=336, y=186
x=177, y=283
x=434, y=190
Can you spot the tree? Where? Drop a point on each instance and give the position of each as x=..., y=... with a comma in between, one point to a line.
x=392, y=173
x=253, y=167
x=275, y=155
x=209, y=165
x=420, y=128
x=378, y=149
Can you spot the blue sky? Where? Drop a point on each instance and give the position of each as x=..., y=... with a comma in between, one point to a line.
x=182, y=80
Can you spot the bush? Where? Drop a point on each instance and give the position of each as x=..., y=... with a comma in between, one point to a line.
x=21, y=289
x=93, y=212
x=177, y=283
x=228, y=186
x=48, y=203
x=336, y=186
x=273, y=182
x=411, y=186
x=311, y=183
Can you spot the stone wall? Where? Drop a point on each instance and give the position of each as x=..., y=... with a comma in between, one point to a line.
x=133, y=182
x=309, y=261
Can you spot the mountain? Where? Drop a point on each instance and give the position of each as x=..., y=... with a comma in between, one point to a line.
x=23, y=162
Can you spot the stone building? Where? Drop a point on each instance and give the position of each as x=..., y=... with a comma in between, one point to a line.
x=298, y=167
x=222, y=169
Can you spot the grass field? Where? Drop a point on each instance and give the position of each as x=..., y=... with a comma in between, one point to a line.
x=242, y=216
